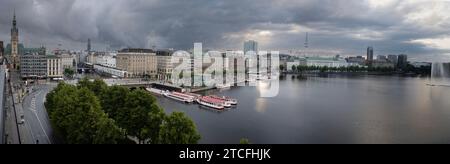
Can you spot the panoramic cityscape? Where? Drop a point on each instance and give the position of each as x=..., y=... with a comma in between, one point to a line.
x=278, y=72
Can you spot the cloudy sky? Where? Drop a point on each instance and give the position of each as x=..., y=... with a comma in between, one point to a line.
x=420, y=28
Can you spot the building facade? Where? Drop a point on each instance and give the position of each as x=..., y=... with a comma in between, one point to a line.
x=334, y=62
x=138, y=62
x=381, y=57
x=393, y=59
x=89, y=46
x=382, y=64
x=402, y=61
x=369, y=55
x=165, y=66
x=106, y=59
x=54, y=66
x=33, y=64
x=358, y=60
x=103, y=58
x=68, y=61
x=36, y=64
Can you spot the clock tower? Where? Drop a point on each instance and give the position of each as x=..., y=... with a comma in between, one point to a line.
x=15, y=57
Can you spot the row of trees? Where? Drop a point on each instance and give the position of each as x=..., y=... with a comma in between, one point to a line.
x=302, y=69
x=92, y=112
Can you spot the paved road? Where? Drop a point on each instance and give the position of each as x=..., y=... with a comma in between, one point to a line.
x=36, y=118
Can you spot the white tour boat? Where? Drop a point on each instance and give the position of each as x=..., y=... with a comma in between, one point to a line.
x=211, y=103
x=180, y=97
x=226, y=99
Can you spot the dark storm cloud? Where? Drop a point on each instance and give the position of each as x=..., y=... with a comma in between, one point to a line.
x=347, y=25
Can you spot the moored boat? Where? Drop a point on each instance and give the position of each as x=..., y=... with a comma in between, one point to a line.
x=195, y=96
x=211, y=103
x=226, y=99
x=180, y=97
x=155, y=91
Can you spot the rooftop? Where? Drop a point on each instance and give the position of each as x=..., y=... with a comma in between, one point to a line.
x=136, y=50
x=164, y=53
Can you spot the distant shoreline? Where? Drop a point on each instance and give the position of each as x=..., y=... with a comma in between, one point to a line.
x=324, y=74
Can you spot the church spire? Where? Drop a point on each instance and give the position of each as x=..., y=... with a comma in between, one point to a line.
x=14, y=19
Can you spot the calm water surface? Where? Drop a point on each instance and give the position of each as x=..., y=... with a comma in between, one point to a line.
x=369, y=109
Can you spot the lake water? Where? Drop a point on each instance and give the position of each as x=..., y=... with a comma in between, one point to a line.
x=366, y=109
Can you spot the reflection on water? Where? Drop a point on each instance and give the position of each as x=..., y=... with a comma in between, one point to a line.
x=260, y=105
x=440, y=74
x=329, y=110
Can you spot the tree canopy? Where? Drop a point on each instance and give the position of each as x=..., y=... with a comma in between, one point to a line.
x=93, y=113
x=179, y=129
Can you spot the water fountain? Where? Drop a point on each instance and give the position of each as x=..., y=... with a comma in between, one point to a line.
x=440, y=74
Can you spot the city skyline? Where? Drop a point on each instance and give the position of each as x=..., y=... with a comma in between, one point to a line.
x=418, y=28
x=224, y=72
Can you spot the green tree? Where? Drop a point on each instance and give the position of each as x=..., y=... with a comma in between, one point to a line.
x=323, y=69
x=78, y=118
x=108, y=132
x=151, y=131
x=178, y=129
x=114, y=99
x=300, y=69
x=281, y=67
x=69, y=72
x=97, y=86
x=93, y=113
x=58, y=112
x=135, y=117
x=84, y=83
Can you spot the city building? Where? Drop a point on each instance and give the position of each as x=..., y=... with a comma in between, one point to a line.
x=54, y=66
x=421, y=64
x=393, y=59
x=358, y=60
x=82, y=56
x=68, y=61
x=402, y=61
x=165, y=66
x=91, y=59
x=251, y=46
x=382, y=64
x=33, y=64
x=369, y=55
x=234, y=66
x=108, y=59
x=89, y=46
x=328, y=62
x=251, y=49
x=137, y=62
x=381, y=58
x=15, y=56
x=291, y=64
